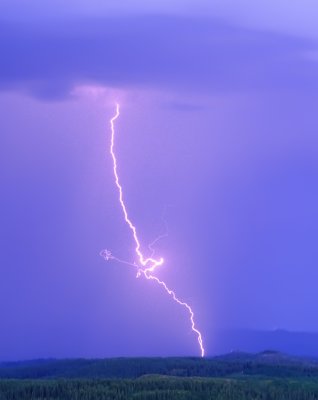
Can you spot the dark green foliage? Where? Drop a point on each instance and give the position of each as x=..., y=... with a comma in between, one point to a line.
x=269, y=364
x=267, y=376
x=159, y=388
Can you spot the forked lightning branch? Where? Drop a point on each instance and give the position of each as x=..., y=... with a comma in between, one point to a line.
x=146, y=266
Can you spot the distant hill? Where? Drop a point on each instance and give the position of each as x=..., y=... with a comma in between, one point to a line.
x=235, y=364
x=296, y=343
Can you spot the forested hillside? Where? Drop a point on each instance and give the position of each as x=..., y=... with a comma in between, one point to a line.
x=270, y=364
x=160, y=388
x=236, y=376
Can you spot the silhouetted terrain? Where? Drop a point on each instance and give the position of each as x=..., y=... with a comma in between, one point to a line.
x=297, y=343
x=268, y=363
x=267, y=375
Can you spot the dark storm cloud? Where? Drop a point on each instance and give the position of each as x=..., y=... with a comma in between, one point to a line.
x=177, y=53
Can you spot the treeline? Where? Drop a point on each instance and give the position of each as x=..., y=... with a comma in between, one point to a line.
x=264, y=364
x=159, y=388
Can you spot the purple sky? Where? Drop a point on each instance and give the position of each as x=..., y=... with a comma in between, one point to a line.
x=218, y=124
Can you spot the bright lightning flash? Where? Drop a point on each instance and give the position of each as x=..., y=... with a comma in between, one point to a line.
x=145, y=266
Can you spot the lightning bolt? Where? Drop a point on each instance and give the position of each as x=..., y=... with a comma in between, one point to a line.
x=145, y=266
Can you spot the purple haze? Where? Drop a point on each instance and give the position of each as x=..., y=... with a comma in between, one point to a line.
x=218, y=124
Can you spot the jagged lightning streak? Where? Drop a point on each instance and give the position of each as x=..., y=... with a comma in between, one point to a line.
x=144, y=262
x=146, y=265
